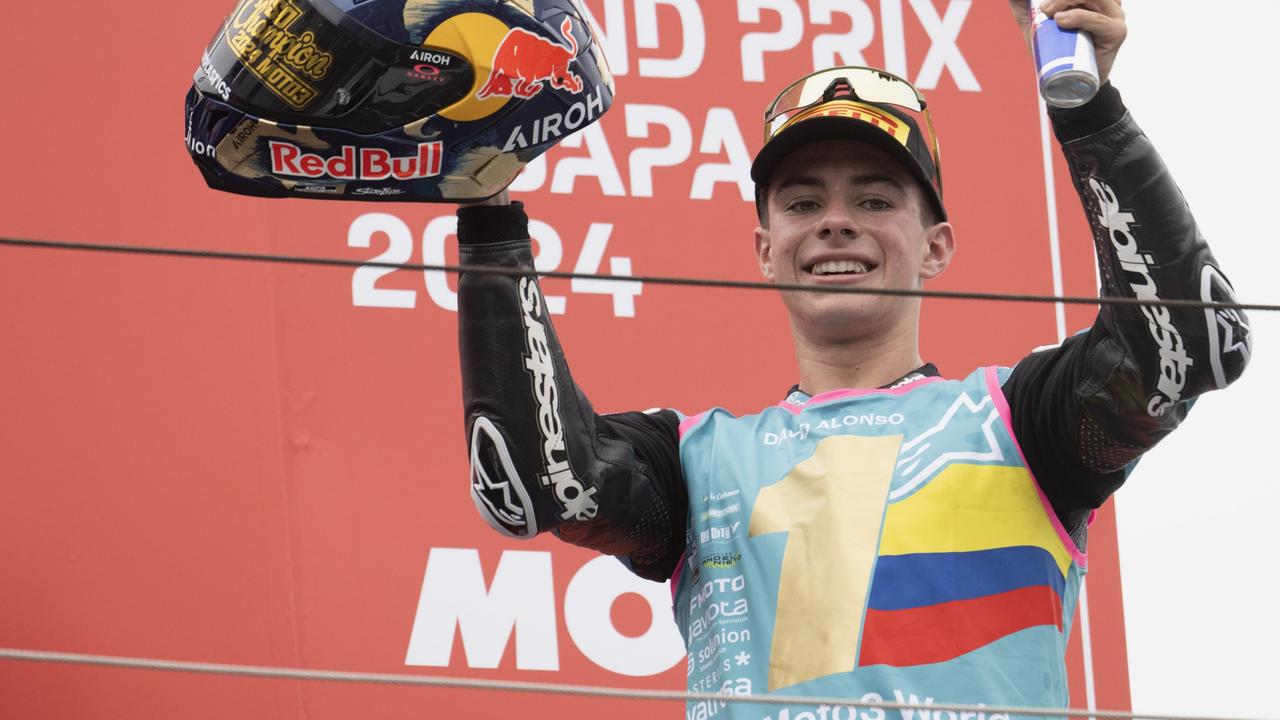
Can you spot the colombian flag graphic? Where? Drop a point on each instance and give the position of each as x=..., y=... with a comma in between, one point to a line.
x=966, y=560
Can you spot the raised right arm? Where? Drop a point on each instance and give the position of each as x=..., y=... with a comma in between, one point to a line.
x=541, y=459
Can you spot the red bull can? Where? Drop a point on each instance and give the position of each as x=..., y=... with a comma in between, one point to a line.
x=1066, y=60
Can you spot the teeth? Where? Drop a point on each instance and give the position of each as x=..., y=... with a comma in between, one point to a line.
x=833, y=267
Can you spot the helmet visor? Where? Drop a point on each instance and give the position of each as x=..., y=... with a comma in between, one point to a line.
x=305, y=62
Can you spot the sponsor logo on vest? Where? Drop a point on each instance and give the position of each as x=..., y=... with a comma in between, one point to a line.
x=832, y=425
x=577, y=500
x=718, y=534
x=367, y=164
x=920, y=710
x=722, y=494
x=1136, y=268
x=721, y=513
x=722, y=560
x=737, y=584
x=713, y=604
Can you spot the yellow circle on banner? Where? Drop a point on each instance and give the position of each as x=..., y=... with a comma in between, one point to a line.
x=476, y=37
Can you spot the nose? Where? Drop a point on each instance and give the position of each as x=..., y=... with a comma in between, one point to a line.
x=837, y=223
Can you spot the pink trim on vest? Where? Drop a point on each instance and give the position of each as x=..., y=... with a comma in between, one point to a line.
x=691, y=422
x=1002, y=405
x=834, y=395
x=675, y=576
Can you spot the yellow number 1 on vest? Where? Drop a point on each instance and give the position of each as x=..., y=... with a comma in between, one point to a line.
x=833, y=506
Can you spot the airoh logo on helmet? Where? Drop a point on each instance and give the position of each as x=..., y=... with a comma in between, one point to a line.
x=557, y=125
x=435, y=58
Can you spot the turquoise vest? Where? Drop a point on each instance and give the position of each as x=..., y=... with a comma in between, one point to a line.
x=878, y=545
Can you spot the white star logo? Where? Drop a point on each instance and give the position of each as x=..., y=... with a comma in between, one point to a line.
x=743, y=659
x=1227, y=319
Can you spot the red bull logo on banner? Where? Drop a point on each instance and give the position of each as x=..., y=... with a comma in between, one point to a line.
x=367, y=164
x=525, y=61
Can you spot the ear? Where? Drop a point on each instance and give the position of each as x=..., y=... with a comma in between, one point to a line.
x=940, y=247
x=764, y=252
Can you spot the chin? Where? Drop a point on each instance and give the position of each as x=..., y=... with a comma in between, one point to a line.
x=848, y=316
x=854, y=317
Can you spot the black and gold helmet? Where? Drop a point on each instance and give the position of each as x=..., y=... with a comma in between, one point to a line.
x=410, y=100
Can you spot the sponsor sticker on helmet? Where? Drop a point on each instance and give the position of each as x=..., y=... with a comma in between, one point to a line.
x=525, y=61
x=379, y=191
x=260, y=33
x=354, y=163
x=557, y=125
x=214, y=77
x=317, y=189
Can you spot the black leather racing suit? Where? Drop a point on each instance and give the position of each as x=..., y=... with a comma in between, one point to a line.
x=1082, y=412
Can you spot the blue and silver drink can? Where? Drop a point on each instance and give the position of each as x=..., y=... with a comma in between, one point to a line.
x=1067, y=62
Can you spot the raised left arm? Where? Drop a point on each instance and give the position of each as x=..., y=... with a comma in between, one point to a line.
x=1084, y=412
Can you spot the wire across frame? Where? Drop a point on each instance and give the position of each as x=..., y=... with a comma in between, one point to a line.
x=650, y=279
x=259, y=671
x=301, y=674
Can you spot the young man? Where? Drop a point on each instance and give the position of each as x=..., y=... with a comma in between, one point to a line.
x=883, y=532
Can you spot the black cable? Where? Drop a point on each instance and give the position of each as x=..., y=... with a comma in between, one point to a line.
x=650, y=279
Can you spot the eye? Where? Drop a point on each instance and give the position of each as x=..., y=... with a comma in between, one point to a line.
x=877, y=204
x=801, y=206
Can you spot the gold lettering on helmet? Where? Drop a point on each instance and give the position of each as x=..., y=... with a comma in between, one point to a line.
x=858, y=111
x=258, y=32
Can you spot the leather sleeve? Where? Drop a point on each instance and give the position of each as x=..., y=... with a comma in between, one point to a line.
x=541, y=458
x=1085, y=411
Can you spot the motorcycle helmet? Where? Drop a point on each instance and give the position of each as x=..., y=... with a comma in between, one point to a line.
x=410, y=100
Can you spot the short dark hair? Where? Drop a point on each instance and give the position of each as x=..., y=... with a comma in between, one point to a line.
x=930, y=213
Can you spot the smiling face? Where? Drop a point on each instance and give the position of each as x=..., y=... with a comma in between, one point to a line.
x=849, y=213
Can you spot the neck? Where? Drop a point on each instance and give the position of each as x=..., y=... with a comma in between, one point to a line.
x=828, y=364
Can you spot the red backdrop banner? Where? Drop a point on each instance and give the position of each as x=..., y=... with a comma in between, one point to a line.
x=265, y=464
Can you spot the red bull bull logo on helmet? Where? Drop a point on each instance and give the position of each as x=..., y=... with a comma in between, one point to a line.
x=524, y=62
